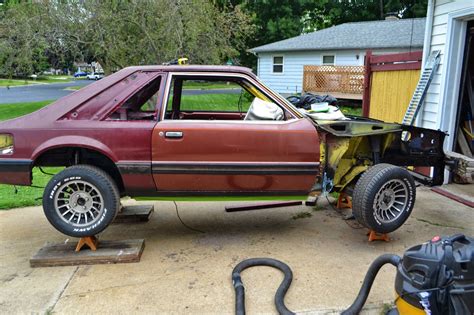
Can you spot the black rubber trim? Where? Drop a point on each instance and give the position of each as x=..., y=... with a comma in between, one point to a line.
x=134, y=168
x=15, y=165
x=235, y=169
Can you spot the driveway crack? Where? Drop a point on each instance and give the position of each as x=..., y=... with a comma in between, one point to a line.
x=50, y=309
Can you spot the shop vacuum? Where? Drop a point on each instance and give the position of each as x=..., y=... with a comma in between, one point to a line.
x=436, y=277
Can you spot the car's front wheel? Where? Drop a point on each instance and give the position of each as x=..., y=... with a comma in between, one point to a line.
x=384, y=197
x=81, y=200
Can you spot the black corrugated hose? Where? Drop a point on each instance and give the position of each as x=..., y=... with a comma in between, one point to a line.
x=354, y=309
x=281, y=291
x=374, y=268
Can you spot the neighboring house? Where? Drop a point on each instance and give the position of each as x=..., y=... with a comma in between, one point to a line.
x=88, y=67
x=280, y=64
x=449, y=103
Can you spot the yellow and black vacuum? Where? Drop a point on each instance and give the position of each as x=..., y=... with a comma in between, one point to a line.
x=436, y=277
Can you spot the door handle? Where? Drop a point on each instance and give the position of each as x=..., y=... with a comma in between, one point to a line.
x=174, y=134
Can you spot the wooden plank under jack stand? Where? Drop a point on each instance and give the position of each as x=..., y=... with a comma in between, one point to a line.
x=131, y=214
x=108, y=252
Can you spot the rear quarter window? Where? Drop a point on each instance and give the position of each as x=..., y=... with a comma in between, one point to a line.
x=100, y=104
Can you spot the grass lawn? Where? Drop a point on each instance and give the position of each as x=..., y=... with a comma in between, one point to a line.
x=191, y=85
x=15, y=82
x=8, y=111
x=26, y=196
x=355, y=111
x=213, y=102
x=54, y=79
x=29, y=81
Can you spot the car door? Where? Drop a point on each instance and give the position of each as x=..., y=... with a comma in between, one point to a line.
x=210, y=151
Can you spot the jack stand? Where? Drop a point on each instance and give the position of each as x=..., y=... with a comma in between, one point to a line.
x=90, y=241
x=374, y=236
x=344, y=201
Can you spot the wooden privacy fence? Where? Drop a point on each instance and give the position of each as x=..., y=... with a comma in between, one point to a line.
x=390, y=81
x=339, y=81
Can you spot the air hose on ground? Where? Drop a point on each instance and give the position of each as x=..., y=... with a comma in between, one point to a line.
x=355, y=308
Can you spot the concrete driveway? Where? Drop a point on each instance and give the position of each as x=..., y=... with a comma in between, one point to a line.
x=187, y=272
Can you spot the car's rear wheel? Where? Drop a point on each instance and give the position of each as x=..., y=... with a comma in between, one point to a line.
x=384, y=197
x=81, y=200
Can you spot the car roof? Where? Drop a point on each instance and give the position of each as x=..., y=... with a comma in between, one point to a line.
x=192, y=68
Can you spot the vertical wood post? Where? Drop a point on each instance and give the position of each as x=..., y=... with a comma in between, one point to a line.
x=367, y=75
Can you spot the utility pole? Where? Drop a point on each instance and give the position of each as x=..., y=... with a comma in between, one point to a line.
x=381, y=10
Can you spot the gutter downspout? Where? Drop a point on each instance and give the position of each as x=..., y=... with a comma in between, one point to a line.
x=428, y=30
x=258, y=64
x=426, y=53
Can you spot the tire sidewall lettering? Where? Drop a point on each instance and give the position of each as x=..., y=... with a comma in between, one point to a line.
x=94, y=226
x=62, y=182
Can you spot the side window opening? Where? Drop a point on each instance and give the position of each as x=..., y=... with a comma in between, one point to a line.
x=219, y=99
x=141, y=105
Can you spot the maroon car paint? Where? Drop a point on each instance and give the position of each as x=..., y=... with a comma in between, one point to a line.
x=80, y=120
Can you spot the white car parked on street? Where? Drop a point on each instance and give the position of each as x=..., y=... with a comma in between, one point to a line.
x=95, y=75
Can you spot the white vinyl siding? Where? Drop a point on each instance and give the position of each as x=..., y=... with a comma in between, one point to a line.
x=291, y=80
x=432, y=108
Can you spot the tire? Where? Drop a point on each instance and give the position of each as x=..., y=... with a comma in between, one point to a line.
x=384, y=197
x=81, y=200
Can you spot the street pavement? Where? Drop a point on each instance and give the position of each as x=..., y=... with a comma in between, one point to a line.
x=38, y=92
x=54, y=91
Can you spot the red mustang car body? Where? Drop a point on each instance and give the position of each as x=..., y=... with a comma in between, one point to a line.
x=170, y=150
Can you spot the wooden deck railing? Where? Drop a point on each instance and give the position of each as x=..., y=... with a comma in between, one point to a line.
x=340, y=81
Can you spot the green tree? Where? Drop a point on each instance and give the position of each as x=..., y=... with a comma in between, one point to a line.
x=119, y=33
x=343, y=11
x=280, y=19
x=22, y=40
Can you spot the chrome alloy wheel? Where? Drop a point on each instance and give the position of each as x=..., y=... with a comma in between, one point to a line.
x=79, y=203
x=390, y=201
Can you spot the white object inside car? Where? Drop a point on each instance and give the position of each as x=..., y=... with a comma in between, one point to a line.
x=263, y=110
x=333, y=113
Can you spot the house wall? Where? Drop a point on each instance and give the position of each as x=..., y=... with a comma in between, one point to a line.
x=291, y=80
x=440, y=106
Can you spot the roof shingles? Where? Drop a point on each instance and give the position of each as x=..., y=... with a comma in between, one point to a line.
x=402, y=33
